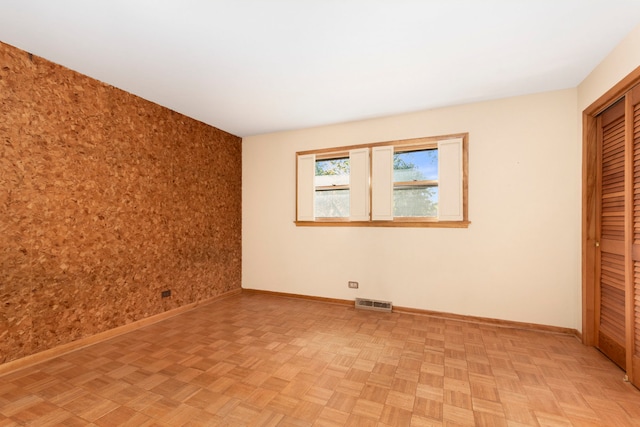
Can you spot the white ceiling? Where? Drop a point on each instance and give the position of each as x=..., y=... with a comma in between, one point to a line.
x=258, y=66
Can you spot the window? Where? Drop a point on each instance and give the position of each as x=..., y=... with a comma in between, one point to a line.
x=332, y=187
x=417, y=182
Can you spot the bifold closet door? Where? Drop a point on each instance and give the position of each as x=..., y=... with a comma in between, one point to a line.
x=618, y=234
x=633, y=110
x=611, y=256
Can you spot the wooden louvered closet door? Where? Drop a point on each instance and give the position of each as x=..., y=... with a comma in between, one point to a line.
x=611, y=331
x=634, y=299
x=611, y=225
x=617, y=264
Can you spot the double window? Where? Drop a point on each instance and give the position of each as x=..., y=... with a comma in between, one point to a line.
x=419, y=182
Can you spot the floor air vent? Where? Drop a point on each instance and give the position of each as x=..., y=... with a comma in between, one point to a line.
x=370, y=304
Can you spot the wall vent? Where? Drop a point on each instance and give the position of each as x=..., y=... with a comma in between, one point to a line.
x=371, y=304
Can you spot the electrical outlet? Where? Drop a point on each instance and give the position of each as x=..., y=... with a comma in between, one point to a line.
x=166, y=294
x=353, y=285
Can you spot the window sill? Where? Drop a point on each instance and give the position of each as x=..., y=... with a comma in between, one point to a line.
x=414, y=224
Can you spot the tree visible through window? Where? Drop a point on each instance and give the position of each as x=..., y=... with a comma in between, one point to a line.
x=415, y=183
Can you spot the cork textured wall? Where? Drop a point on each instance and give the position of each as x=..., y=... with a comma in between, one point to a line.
x=106, y=200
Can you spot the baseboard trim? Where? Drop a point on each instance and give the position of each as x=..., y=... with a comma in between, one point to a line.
x=449, y=316
x=512, y=324
x=298, y=296
x=43, y=356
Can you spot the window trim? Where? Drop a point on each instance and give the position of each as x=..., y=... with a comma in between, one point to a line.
x=413, y=144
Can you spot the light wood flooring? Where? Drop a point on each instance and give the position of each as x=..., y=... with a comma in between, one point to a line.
x=261, y=360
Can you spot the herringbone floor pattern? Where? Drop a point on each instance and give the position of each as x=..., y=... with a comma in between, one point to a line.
x=258, y=360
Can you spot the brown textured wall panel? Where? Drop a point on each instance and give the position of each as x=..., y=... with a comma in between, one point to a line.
x=105, y=200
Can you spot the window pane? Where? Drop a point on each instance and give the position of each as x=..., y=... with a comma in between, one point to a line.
x=332, y=203
x=415, y=201
x=419, y=165
x=332, y=172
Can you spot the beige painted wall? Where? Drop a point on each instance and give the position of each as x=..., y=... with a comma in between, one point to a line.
x=519, y=259
x=618, y=64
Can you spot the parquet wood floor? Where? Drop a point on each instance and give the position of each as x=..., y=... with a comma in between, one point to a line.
x=260, y=360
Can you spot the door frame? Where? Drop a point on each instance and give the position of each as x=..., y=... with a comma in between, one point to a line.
x=589, y=210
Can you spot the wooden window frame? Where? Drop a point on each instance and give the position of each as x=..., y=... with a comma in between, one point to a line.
x=398, y=146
